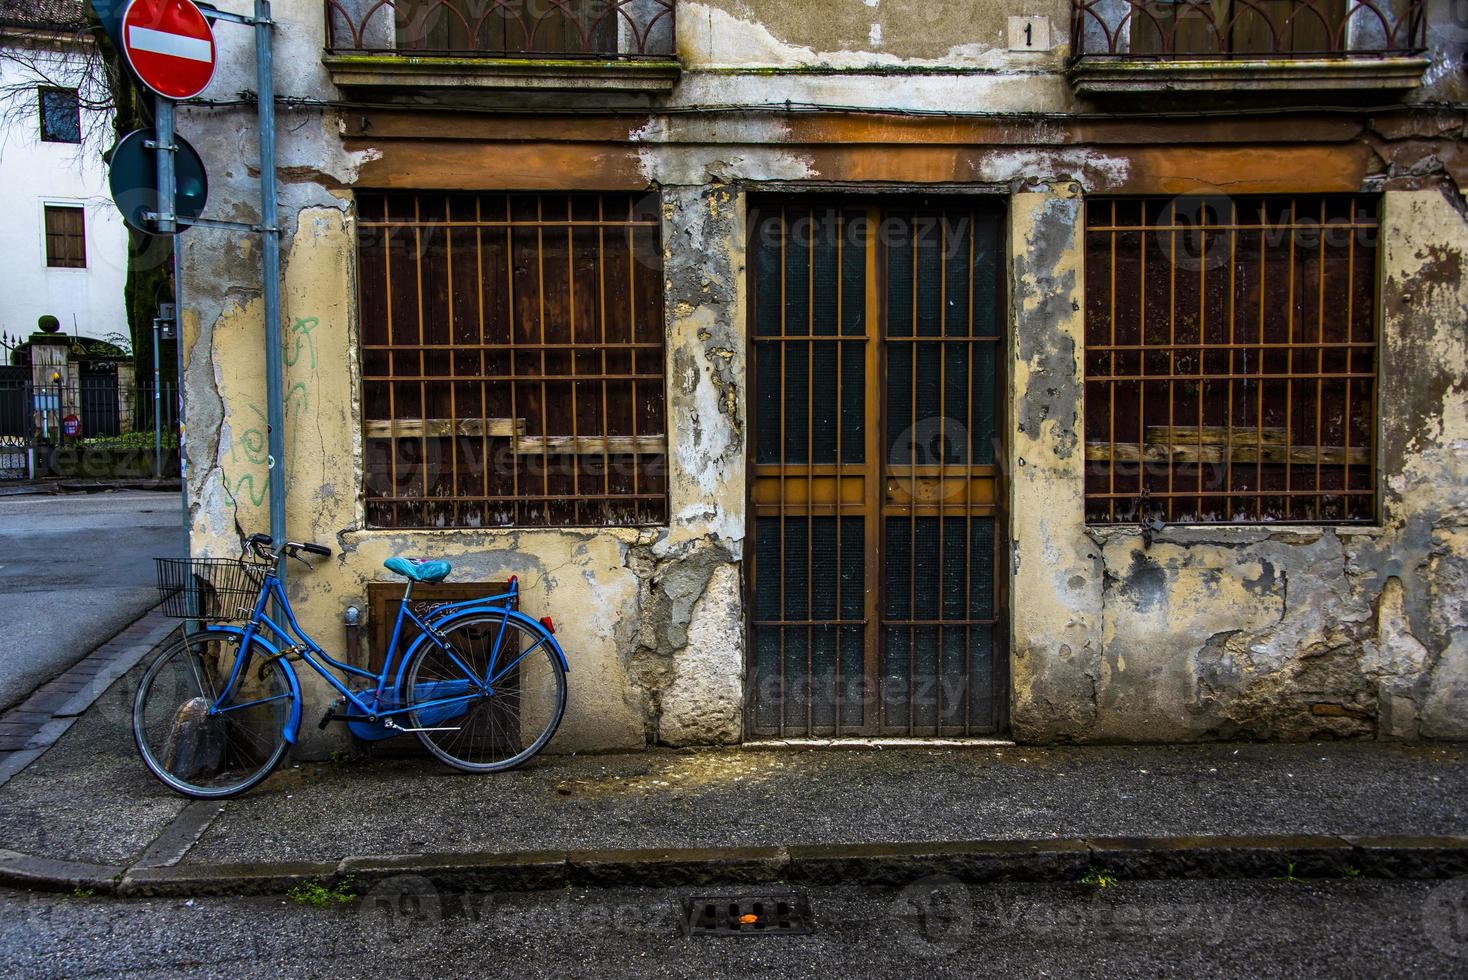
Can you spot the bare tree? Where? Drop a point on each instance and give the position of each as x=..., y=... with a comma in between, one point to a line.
x=64, y=56
x=62, y=44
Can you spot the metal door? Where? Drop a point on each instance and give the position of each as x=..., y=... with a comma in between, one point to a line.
x=875, y=574
x=98, y=397
x=17, y=423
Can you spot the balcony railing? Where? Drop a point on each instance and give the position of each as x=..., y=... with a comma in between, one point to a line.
x=599, y=30
x=1247, y=29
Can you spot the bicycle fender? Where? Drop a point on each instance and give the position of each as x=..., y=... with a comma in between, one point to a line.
x=293, y=721
x=518, y=617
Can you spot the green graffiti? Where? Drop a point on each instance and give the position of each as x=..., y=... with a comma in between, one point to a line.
x=301, y=335
x=254, y=442
x=256, y=497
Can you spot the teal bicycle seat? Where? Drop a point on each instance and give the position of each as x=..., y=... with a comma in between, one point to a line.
x=419, y=571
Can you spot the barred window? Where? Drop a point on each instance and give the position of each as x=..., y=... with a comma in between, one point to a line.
x=1230, y=359
x=66, y=237
x=513, y=360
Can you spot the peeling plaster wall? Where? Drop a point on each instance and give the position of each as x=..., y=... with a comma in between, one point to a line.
x=1211, y=633
x=1055, y=573
x=652, y=619
x=849, y=33
x=1287, y=633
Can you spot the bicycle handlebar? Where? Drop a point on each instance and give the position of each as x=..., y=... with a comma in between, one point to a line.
x=261, y=544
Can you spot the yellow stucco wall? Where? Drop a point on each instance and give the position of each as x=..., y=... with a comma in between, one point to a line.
x=674, y=677
x=1285, y=632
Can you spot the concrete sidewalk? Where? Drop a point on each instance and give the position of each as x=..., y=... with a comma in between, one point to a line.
x=89, y=801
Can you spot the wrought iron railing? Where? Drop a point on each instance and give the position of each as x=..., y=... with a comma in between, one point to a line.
x=504, y=29
x=1191, y=29
x=102, y=409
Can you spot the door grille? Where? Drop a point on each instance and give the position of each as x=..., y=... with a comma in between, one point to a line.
x=876, y=362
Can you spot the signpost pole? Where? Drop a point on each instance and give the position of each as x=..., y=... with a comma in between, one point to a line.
x=157, y=403
x=274, y=381
x=178, y=420
x=167, y=223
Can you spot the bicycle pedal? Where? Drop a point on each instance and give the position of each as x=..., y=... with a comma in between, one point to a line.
x=327, y=718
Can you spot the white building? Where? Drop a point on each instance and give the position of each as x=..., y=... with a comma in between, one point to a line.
x=62, y=242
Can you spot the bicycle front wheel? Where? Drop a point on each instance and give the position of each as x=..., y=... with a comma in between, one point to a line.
x=478, y=732
x=196, y=738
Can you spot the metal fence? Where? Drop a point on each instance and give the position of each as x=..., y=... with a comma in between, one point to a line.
x=571, y=29
x=92, y=416
x=1166, y=29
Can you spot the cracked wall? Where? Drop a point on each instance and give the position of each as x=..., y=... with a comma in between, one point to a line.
x=1211, y=633
x=1247, y=632
x=652, y=619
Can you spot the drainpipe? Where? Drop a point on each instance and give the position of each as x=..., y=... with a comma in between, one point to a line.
x=274, y=382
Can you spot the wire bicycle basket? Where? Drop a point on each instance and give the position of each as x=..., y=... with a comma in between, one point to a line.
x=214, y=589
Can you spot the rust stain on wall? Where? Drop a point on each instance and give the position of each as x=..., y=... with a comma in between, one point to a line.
x=427, y=165
x=1249, y=170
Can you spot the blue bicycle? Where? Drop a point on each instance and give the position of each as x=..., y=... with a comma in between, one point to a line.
x=481, y=684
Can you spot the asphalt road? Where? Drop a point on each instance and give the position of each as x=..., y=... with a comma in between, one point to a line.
x=930, y=929
x=74, y=570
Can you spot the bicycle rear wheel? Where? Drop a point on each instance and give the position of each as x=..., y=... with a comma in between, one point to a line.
x=196, y=743
x=495, y=732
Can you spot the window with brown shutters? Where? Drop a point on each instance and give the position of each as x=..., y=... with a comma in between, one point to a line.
x=512, y=360
x=66, y=237
x=1231, y=359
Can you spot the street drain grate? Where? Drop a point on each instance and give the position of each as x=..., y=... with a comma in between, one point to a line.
x=785, y=914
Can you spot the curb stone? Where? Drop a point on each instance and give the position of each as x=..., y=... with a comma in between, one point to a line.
x=978, y=861
x=222, y=879
x=690, y=866
x=524, y=871
x=1301, y=856
x=48, y=874
x=1410, y=857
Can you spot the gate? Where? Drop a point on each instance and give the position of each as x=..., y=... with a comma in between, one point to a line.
x=15, y=422
x=877, y=603
x=97, y=394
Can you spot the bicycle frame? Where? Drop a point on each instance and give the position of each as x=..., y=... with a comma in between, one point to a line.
x=298, y=642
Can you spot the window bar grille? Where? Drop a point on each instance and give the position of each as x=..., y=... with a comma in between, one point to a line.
x=1313, y=465
x=485, y=332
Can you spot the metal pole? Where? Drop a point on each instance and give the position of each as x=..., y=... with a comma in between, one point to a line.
x=167, y=177
x=157, y=406
x=167, y=225
x=178, y=420
x=274, y=382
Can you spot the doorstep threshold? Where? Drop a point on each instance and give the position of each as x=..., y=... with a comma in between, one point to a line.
x=874, y=743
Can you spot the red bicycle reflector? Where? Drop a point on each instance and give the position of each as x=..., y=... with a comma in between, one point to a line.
x=549, y=624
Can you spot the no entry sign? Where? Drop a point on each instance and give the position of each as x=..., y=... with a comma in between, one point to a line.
x=169, y=45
